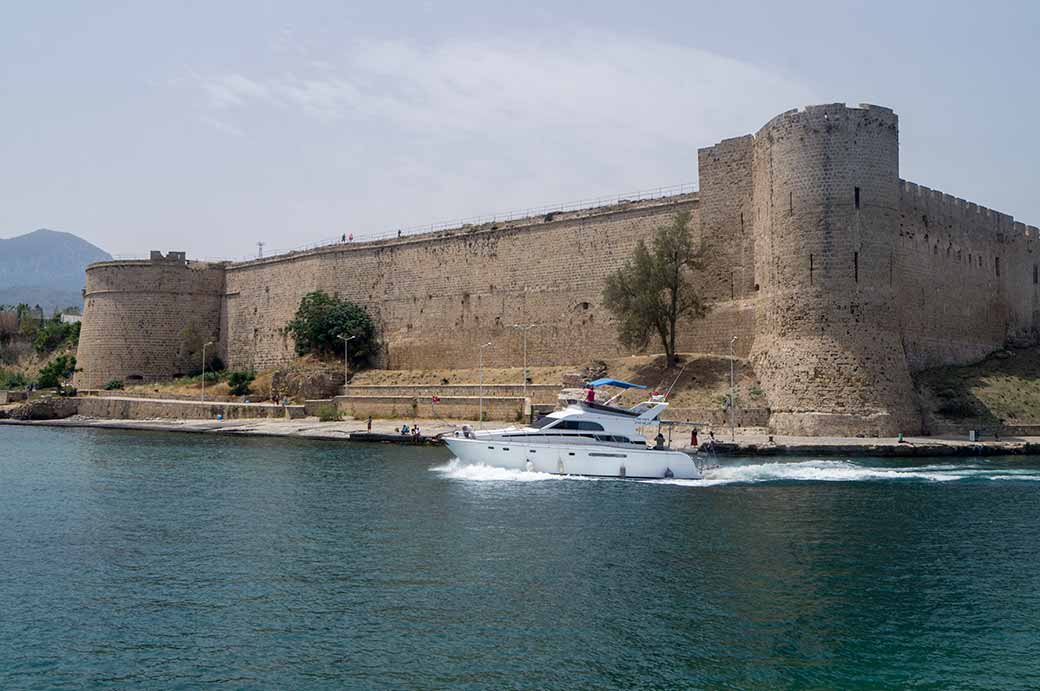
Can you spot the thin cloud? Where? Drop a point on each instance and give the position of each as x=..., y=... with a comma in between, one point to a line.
x=396, y=133
x=603, y=83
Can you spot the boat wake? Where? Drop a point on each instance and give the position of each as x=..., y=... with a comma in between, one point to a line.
x=755, y=473
x=847, y=471
x=457, y=470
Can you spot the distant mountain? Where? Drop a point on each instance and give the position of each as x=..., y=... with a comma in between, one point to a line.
x=45, y=267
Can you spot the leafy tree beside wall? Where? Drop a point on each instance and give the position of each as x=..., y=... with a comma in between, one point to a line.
x=238, y=382
x=56, y=371
x=321, y=322
x=53, y=333
x=652, y=291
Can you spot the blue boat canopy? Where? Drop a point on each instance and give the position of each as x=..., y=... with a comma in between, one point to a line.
x=615, y=382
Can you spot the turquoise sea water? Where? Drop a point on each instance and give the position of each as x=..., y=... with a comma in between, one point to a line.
x=159, y=561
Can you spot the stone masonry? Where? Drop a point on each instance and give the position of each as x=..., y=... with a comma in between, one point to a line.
x=837, y=278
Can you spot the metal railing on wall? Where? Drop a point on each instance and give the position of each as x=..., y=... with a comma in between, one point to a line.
x=502, y=217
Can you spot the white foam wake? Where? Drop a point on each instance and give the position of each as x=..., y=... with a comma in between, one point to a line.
x=795, y=471
x=458, y=470
x=846, y=471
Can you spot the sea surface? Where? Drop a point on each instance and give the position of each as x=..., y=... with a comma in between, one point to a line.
x=166, y=561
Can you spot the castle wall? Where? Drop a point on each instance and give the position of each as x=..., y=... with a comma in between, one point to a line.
x=262, y=296
x=726, y=207
x=954, y=306
x=147, y=319
x=437, y=298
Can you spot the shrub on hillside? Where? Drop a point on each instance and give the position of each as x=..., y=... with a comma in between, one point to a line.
x=322, y=321
x=329, y=413
x=113, y=385
x=56, y=371
x=12, y=380
x=52, y=334
x=239, y=382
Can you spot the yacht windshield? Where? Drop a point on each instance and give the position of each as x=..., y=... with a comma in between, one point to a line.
x=545, y=422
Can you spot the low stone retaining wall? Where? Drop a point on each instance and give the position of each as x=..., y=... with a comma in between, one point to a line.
x=538, y=393
x=46, y=408
x=12, y=397
x=115, y=408
x=120, y=393
x=984, y=430
x=747, y=417
x=503, y=408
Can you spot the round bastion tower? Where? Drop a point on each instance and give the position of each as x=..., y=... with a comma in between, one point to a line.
x=148, y=319
x=827, y=347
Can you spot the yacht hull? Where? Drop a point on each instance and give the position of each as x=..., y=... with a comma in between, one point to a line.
x=568, y=459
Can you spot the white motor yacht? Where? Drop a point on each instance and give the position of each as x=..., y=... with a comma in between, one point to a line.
x=582, y=438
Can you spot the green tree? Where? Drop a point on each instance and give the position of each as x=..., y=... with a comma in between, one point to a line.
x=57, y=370
x=652, y=291
x=322, y=320
x=53, y=333
x=239, y=382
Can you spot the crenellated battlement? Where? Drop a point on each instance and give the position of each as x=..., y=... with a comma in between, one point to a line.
x=954, y=209
x=819, y=115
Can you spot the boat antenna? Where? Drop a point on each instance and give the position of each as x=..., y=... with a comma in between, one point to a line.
x=674, y=382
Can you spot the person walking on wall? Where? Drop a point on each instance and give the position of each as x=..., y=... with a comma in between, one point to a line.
x=369, y=423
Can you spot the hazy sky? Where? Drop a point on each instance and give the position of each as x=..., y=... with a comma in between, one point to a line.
x=207, y=126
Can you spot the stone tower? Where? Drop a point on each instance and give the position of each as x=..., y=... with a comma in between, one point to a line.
x=148, y=319
x=828, y=344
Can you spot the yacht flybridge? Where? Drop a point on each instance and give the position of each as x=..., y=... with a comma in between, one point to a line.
x=582, y=438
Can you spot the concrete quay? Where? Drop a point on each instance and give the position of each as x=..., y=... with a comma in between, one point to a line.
x=748, y=443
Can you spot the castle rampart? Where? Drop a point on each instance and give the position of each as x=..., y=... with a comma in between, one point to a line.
x=837, y=278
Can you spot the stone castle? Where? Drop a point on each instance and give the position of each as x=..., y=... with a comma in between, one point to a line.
x=837, y=278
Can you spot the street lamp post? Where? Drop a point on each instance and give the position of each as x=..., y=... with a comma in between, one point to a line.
x=732, y=388
x=486, y=345
x=346, y=362
x=204, y=346
x=524, y=328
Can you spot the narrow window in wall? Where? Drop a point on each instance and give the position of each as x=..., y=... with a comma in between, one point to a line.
x=810, y=269
x=969, y=258
x=996, y=264
x=857, y=197
x=741, y=222
x=790, y=202
x=732, y=285
x=1036, y=274
x=855, y=266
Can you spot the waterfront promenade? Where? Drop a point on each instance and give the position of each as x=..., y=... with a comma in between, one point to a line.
x=750, y=442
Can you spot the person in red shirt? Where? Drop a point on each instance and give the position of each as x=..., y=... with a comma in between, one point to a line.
x=590, y=395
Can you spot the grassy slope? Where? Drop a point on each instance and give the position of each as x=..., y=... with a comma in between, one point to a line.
x=703, y=384
x=1001, y=388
